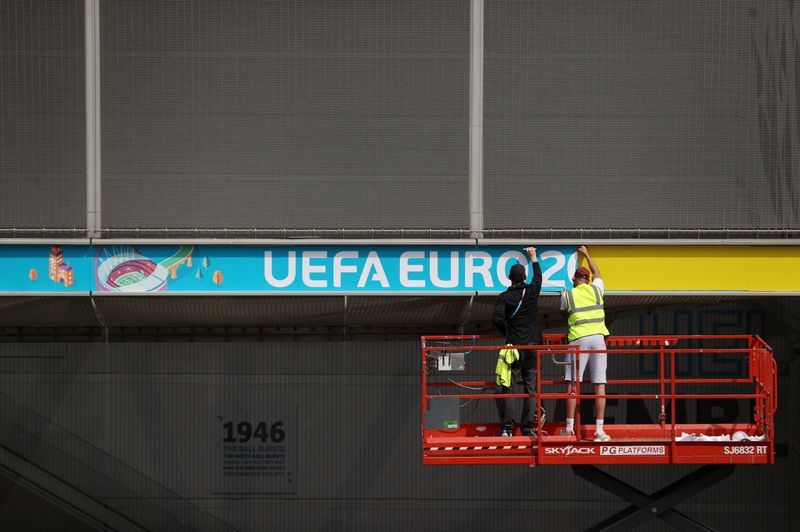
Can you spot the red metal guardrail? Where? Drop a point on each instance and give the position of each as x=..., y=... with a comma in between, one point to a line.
x=749, y=441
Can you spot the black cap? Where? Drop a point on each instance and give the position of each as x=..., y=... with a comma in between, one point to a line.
x=517, y=273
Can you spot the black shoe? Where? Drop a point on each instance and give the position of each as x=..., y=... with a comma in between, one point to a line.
x=529, y=433
x=506, y=432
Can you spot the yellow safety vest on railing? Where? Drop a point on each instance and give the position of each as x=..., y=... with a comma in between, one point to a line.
x=505, y=360
x=586, y=314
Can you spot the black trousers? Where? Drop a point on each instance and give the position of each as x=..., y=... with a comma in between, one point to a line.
x=505, y=405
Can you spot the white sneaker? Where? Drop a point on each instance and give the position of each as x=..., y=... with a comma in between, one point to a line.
x=601, y=436
x=565, y=432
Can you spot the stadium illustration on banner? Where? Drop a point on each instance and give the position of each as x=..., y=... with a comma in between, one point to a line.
x=125, y=269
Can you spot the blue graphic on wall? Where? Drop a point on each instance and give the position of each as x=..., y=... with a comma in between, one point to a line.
x=256, y=269
x=50, y=269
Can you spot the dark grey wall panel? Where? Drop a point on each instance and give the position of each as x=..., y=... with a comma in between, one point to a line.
x=301, y=114
x=42, y=114
x=646, y=114
x=355, y=430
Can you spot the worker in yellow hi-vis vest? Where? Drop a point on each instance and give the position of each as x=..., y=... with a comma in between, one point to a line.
x=583, y=308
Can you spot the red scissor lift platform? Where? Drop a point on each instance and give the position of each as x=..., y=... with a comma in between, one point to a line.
x=477, y=443
x=718, y=446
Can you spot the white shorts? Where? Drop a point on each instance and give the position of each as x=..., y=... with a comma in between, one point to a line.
x=597, y=362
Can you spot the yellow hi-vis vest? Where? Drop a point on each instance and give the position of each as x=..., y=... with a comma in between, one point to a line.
x=503, y=368
x=586, y=315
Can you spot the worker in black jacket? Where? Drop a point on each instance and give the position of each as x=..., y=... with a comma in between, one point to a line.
x=516, y=317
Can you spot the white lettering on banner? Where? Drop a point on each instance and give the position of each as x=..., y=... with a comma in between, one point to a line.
x=569, y=450
x=471, y=269
x=558, y=263
x=633, y=450
x=503, y=265
x=438, y=281
x=745, y=449
x=339, y=268
x=407, y=268
x=373, y=262
x=572, y=265
x=290, y=274
x=416, y=269
x=309, y=268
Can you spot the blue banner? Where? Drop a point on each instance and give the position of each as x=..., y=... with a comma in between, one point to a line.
x=281, y=269
x=45, y=269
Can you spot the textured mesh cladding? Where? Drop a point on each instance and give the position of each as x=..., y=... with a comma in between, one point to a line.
x=327, y=114
x=648, y=114
x=42, y=115
x=38, y=311
x=352, y=417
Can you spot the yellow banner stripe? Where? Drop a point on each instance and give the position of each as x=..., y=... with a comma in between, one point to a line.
x=699, y=268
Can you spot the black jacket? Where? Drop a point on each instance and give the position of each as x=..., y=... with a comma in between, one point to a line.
x=523, y=328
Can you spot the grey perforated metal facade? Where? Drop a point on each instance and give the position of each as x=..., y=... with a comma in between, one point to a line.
x=627, y=114
x=285, y=114
x=42, y=113
x=356, y=115
x=142, y=415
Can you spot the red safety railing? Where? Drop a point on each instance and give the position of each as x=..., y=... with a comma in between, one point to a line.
x=641, y=443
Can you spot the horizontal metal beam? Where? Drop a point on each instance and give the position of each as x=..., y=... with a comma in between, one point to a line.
x=641, y=242
x=287, y=241
x=405, y=241
x=567, y=235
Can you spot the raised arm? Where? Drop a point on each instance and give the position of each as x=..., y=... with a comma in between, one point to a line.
x=531, y=253
x=592, y=265
x=536, y=282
